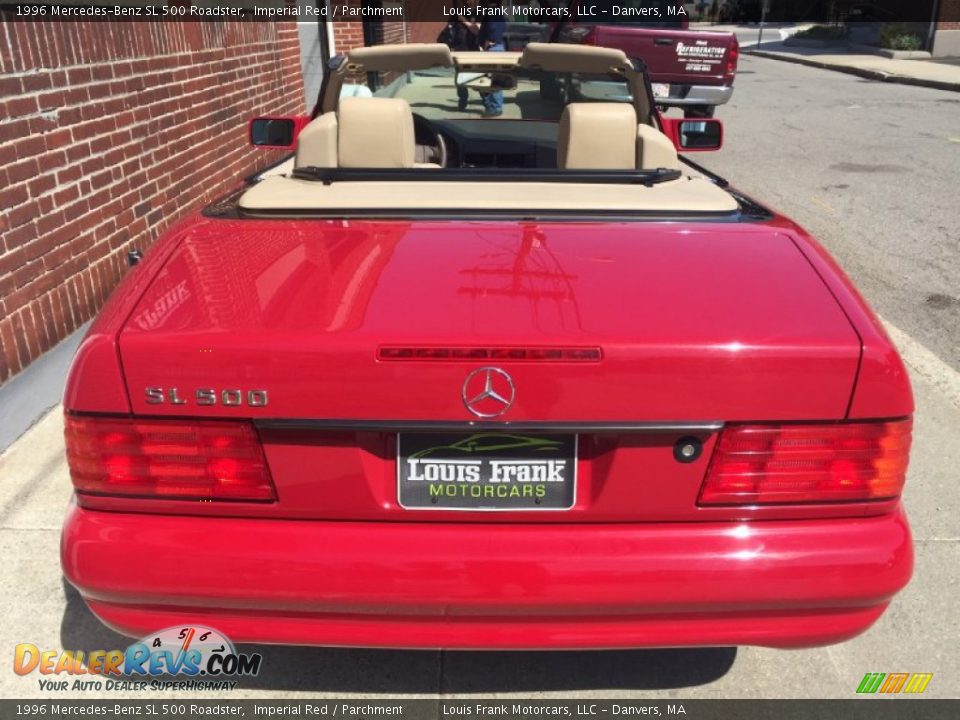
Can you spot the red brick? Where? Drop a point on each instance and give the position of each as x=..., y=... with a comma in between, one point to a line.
x=48, y=319
x=11, y=196
x=10, y=86
x=151, y=116
x=26, y=338
x=14, y=130
x=57, y=139
x=19, y=106
x=33, y=333
x=20, y=215
x=29, y=146
x=41, y=184
x=51, y=100
x=36, y=82
x=9, y=343
x=79, y=76
x=22, y=171
x=17, y=238
x=42, y=123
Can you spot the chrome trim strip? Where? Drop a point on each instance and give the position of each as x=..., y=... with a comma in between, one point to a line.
x=467, y=425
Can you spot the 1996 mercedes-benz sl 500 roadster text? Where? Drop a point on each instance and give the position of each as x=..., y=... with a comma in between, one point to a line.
x=445, y=381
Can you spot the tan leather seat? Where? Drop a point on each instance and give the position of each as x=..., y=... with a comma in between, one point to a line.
x=375, y=133
x=606, y=136
x=364, y=133
x=317, y=143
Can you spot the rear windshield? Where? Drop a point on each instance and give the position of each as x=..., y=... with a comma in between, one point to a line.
x=437, y=94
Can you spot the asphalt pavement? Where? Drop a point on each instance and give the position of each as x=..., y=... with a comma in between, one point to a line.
x=872, y=169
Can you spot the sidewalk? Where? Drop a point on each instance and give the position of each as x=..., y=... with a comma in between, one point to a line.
x=924, y=73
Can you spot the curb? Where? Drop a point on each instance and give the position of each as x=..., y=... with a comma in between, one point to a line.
x=877, y=75
x=29, y=395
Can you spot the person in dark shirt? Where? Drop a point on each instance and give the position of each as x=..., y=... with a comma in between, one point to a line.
x=460, y=35
x=490, y=38
x=491, y=35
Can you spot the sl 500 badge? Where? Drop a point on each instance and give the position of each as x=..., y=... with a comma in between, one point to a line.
x=231, y=397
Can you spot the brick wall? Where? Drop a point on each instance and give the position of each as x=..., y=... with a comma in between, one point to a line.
x=393, y=32
x=108, y=133
x=425, y=31
x=949, y=15
x=347, y=35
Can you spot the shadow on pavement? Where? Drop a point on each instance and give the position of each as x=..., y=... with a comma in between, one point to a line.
x=400, y=672
x=526, y=672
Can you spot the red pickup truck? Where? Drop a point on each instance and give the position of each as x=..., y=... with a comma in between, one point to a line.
x=690, y=69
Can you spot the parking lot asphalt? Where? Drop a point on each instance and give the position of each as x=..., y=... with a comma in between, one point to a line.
x=894, y=231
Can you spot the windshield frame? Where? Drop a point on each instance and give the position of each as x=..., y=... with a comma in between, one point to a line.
x=341, y=67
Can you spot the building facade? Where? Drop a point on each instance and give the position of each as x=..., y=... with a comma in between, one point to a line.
x=110, y=132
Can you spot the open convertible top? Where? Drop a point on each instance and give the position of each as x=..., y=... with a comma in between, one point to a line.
x=395, y=149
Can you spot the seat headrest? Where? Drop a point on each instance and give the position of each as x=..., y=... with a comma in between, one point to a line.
x=317, y=143
x=598, y=136
x=375, y=133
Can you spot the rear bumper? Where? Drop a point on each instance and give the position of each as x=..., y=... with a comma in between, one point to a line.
x=433, y=585
x=699, y=95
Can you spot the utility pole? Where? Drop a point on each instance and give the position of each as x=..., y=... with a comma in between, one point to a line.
x=764, y=6
x=932, y=29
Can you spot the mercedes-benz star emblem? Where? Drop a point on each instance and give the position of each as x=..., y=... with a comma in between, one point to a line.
x=488, y=392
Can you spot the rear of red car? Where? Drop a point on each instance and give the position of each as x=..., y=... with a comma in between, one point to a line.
x=690, y=69
x=489, y=435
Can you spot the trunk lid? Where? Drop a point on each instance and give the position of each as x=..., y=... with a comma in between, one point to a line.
x=697, y=322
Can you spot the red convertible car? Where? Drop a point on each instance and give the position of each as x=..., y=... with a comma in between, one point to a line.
x=444, y=381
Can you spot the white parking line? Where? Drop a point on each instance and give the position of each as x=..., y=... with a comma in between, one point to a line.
x=924, y=364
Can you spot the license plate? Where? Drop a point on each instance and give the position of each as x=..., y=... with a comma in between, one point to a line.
x=661, y=90
x=486, y=471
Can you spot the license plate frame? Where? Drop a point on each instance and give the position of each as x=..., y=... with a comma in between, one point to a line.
x=557, y=497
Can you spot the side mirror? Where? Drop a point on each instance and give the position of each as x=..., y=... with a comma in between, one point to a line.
x=275, y=132
x=694, y=135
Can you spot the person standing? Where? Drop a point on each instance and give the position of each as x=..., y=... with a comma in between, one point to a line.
x=490, y=38
x=460, y=34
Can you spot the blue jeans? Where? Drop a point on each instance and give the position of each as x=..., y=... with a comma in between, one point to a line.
x=493, y=101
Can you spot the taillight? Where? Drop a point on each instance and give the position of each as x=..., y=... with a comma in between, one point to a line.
x=841, y=462
x=168, y=459
x=733, y=56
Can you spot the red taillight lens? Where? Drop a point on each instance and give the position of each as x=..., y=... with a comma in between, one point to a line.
x=766, y=464
x=733, y=57
x=168, y=459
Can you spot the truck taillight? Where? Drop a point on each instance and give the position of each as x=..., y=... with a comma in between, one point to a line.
x=838, y=462
x=167, y=459
x=733, y=56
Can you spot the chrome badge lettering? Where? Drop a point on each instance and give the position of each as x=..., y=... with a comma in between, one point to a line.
x=230, y=397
